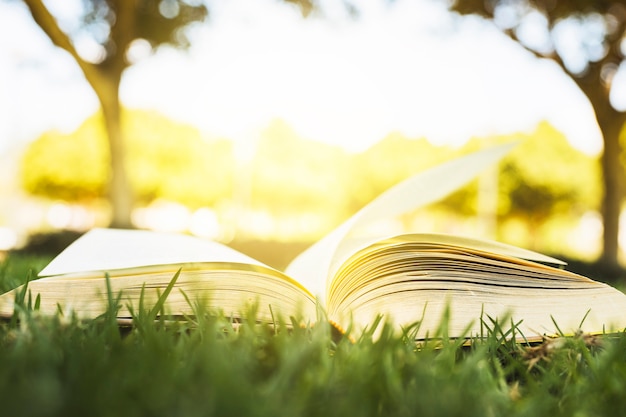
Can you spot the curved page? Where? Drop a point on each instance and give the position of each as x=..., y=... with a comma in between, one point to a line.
x=315, y=265
x=417, y=278
x=114, y=249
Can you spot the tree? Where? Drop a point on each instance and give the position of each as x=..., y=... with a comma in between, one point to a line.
x=167, y=160
x=115, y=25
x=290, y=174
x=71, y=167
x=545, y=181
x=586, y=38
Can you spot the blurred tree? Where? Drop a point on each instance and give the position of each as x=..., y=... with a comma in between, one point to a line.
x=70, y=167
x=541, y=176
x=546, y=177
x=114, y=26
x=294, y=175
x=172, y=161
x=543, y=179
x=393, y=159
x=586, y=38
x=167, y=160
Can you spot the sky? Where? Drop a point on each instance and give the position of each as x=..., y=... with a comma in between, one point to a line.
x=412, y=68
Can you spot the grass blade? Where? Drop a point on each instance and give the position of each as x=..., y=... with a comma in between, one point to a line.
x=163, y=297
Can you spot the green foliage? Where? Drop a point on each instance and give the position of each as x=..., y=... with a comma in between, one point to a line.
x=294, y=175
x=545, y=176
x=71, y=167
x=166, y=160
x=173, y=161
x=205, y=366
x=542, y=183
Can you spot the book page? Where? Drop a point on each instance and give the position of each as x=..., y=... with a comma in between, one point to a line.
x=208, y=272
x=226, y=287
x=314, y=267
x=114, y=249
x=352, y=245
x=417, y=277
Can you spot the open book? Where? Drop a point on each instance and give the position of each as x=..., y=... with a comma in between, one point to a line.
x=353, y=275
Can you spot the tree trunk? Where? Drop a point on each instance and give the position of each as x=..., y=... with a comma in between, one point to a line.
x=120, y=193
x=613, y=189
x=611, y=122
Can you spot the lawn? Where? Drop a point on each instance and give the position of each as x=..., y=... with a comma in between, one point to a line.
x=58, y=366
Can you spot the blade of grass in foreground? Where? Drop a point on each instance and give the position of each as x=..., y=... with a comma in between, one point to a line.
x=144, y=317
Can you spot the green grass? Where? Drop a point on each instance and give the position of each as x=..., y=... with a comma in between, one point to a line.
x=55, y=366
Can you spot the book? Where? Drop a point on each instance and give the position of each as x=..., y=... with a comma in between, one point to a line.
x=350, y=277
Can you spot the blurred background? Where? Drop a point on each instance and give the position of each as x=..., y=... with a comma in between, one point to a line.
x=265, y=123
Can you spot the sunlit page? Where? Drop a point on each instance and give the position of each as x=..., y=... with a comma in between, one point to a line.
x=113, y=249
x=315, y=265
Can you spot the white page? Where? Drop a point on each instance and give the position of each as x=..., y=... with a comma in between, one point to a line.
x=315, y=265
x=113, y=249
